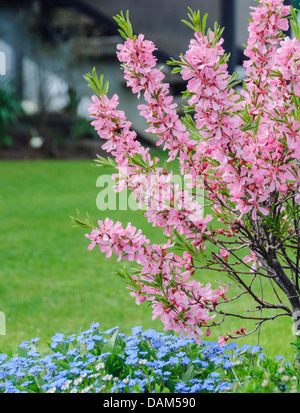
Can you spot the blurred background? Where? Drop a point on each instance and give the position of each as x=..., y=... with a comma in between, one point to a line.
x=49, y=282
x=50, y=44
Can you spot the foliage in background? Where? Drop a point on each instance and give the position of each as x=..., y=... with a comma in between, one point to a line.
x=10, y=110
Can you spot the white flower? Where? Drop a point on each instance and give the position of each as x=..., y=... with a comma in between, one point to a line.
x=78, y=381
x=100, y=366
x=52, y=390
x=285, y=378
x=107, y=377
x=87, y=389
x=66, y=385
x=94, y=376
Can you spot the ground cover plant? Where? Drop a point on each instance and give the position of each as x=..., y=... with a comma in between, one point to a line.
x=145, y=361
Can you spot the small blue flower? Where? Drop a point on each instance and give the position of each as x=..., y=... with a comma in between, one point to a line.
x=26, y=383
x=26, y=345
x=57, y=383
x=181, y=388
x=73, y=352
x=71, y=338
x=245, y=347
x=75, y=370
x=288, y=363
x=230, y=346
x=225, y=385
x=227, y=365
x=174, y=360
x=35, y=370
x=105, y=355
x=90, y=345
x=20, y=373
x=33, y=353
x=58, y=338
x=256, y=349
x=185, y=360
x=58, y=355
x=110, y=331
x=97, y=337
x=136, y=330
x=3, y=357
x=132, y=359
x=96, y=325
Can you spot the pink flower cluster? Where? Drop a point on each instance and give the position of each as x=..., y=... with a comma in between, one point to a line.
x=208, y=80
x=245, y=149
x=288, y=60
x=111, y=124
x=160, y=110
x=183, y=304
x=264, y=34
x=272, y=70
x=167, y=205
x=113, y=238
x=215, y=105
x=246, y=165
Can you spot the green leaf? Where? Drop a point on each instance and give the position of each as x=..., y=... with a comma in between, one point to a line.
x=125, y=25
x=189, y=374
x=110, y=345
x=97, y=83
x=63, y=364
x=39, y=383
x=105, y=162
x=22, y=352
x=295, y=23
x=195, y=22
x=85, y=222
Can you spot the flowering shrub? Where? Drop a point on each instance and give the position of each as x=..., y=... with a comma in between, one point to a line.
x=143, y=362
x=239, y=147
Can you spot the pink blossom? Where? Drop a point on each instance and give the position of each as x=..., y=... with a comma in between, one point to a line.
x=223, y=340
x=244, y=147
x=224, y=254
x=252, y=258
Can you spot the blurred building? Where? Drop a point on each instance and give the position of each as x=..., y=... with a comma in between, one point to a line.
x=50, y=44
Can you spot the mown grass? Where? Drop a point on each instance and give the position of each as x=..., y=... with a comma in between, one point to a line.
x=51, y=283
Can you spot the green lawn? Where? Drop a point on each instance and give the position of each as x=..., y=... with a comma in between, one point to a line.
x=50, y=282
